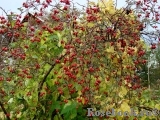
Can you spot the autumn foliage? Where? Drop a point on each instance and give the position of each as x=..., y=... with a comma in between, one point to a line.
x=70, y=60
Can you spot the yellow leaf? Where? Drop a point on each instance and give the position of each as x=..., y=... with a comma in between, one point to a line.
x=125, y=107
x=122, y=92
x=115, y=60
x=79, y=93
x=143, y=118
x=107, y=5
x=118, y=34
x=103, y=103
x=135, y=50
x=124, y=54
x=123, y=100
x=118, y=72
x=157, y=106
x=112, y=106
x=110, y=50
x=90, y=24
x=129, y=85
x=19, y=115
x=97, y=97
x=83, y=100
x=92, y=3
x=120, y=118
x=119, y=114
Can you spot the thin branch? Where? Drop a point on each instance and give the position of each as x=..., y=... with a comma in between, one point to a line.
x=45, y=77
x=4, y=110
x=149, y=109
x=3, y=10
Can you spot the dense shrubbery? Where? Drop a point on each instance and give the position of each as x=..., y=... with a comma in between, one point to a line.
x=58, y=66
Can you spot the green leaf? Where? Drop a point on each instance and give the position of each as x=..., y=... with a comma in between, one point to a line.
x=53, y=37
x=56, y=117
x=151, y=104
x=70, y=106
x=43, y=46
x=73, y=114
x=48, y=55
x=26, y=82
x=122, y=92
x=90, y=25
x=80, y=118
x=58, y=50
x=67, y=116
x=77, y=86
x=49, y=83
x=34, y=56
x=47, y=67
x=13, y=44
x=55, y=105
x=146, y=95
x=10, y=100
x=59, y=35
